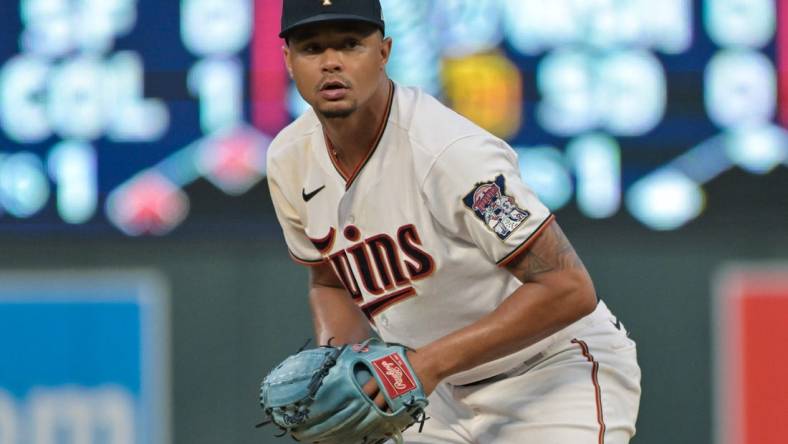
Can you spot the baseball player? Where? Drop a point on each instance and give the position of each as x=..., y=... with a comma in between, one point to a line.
x=417, y=227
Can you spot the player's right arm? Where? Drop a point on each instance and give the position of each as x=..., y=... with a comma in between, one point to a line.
x=335, y=315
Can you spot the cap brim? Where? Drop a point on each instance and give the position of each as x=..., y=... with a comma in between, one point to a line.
x=322, y=18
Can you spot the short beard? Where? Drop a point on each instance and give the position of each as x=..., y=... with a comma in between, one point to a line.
x=338, y=114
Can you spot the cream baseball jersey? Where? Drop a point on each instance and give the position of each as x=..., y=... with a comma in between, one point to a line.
x=419, y=234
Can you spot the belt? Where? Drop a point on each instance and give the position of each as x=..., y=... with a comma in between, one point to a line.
x=517, y=370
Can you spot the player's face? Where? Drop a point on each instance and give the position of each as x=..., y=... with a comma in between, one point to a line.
x=337, y=67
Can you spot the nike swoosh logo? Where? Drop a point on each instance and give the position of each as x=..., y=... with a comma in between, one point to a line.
x=616, y=324
x=308, y=196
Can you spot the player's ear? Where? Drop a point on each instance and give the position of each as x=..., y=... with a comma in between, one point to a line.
x=385, y=50
x=286, y=54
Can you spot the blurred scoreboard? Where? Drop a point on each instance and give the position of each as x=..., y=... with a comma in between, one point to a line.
x=115, y=113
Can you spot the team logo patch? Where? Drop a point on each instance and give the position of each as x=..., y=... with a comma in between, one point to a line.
x=395, y=375
x=489, y=202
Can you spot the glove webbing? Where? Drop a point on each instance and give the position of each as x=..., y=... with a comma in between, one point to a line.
x=317, y=378
x=314, y=384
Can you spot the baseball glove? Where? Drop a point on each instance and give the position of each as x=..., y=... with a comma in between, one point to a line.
x=317, y=395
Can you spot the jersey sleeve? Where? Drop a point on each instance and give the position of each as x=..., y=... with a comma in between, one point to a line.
x=475, y=192
x=301, y=248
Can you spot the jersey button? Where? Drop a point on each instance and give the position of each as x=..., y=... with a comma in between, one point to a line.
x=351, y=219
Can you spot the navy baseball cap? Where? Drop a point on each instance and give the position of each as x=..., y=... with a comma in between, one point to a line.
x=297, y=13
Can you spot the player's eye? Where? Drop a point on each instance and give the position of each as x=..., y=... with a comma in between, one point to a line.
x=351, y=43
x=311, y=48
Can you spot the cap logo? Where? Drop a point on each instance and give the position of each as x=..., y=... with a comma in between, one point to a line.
x=326, y=2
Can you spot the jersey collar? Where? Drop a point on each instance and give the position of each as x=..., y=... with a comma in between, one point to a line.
x=349, y=179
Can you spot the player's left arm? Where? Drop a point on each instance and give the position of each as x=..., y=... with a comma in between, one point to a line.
x=556, y=290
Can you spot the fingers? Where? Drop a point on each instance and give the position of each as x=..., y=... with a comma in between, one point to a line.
x=372, y=390
x=380, y=401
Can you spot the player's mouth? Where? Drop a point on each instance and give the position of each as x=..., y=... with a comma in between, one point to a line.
x=333, y=90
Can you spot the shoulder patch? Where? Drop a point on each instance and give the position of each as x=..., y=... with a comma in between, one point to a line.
x=499, y=212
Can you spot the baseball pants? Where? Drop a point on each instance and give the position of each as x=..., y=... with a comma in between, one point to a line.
x=584, y=388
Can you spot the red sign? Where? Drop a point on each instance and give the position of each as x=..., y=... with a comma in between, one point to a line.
x=394, y=373
x=752, y=333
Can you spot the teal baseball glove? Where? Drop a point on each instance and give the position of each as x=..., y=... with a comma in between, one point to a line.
x=317, y=395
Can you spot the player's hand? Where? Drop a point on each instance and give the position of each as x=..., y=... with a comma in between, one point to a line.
x=372, y=390
x=429, y=380
x=330, y=408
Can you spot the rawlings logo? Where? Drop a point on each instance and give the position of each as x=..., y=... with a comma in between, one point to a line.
x=360, y=348
x=396, y=377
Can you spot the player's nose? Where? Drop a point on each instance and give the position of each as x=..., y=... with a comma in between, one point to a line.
x=331, y=60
